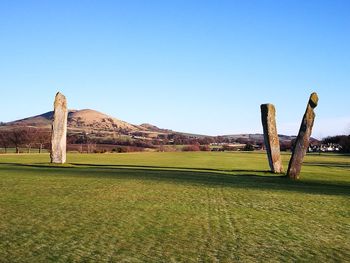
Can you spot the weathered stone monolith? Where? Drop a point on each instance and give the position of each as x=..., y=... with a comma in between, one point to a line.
x=59, y=130
x=272, y=143
x=302, y=141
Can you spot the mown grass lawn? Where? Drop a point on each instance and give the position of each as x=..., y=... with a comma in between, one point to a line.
x=173, y=207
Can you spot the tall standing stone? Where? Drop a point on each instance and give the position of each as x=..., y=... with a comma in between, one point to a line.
x=272, y=143
x=59, y=130
x=302, y=141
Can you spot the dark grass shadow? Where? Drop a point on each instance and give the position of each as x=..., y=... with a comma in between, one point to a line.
x=113, y=166
x=172, y=168
x=240, y=179
x=329, y=164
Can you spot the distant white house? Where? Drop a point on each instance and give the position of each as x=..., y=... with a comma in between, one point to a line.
x=329, y=147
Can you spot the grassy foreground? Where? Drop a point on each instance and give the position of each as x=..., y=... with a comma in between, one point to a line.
x=173, y=207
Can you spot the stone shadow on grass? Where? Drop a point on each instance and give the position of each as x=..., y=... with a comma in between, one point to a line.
x=329, y=165
x=267, y=172
x=247, y=179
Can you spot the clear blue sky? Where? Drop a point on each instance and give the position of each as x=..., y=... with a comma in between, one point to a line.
x=195, y=66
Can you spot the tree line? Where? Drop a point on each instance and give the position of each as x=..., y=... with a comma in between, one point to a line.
x=342, y=140
x=25, y=137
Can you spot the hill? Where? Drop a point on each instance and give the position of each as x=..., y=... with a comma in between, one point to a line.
x=80, y=120
x=92, y=121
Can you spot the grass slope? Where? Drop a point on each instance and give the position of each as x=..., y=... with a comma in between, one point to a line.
x=172, y=207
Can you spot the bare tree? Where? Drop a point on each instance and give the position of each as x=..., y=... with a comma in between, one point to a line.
x=91, y=144
x=29, y=138
x=4, y=139
x=42, y=138
x=18, y=137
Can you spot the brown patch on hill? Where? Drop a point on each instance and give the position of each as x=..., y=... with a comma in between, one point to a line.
x=95, y=120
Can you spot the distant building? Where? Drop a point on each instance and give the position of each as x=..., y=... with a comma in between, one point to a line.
x=329, y=147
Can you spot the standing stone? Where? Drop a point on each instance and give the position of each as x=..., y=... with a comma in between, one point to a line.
x=59, y=130
x=302, y=141
x=272, y=143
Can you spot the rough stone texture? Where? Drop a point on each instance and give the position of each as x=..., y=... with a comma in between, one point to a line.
x=302, y=141
x=59, y=130
x=272, y=143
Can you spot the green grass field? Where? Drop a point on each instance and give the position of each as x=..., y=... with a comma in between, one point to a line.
x=173, y=207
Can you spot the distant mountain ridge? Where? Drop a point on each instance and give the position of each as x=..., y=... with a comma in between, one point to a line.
x=258, y=137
